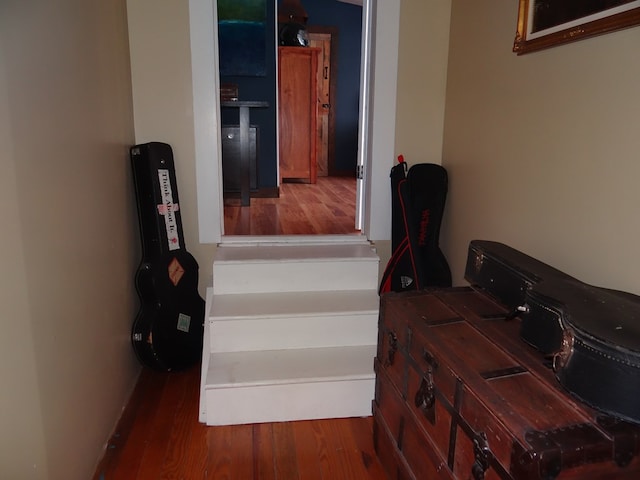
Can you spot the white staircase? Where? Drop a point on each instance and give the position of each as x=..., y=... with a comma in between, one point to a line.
x=290, y=333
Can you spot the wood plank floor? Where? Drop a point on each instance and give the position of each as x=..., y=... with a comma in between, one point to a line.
x=159, y=437
x=325, y=208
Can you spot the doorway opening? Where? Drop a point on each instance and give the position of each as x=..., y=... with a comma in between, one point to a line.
x=329, y=206
x=376, y=131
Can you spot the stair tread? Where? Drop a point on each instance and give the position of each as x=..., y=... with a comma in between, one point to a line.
x=295, y=253
x=242, y=369
x=285, y=304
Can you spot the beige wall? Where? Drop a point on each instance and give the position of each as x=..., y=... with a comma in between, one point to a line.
x=163, y=103
x=22, y=447
x=423, y=48
x=162, y=91
x=422, y=79
x=542, y=149
x=70, y=244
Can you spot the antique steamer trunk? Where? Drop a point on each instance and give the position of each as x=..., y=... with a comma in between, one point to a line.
x=459, y=395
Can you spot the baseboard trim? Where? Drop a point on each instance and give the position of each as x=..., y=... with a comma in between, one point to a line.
x=269, y=192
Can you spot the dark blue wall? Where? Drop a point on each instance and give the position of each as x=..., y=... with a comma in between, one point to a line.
x=262, y=89
x=348, y=19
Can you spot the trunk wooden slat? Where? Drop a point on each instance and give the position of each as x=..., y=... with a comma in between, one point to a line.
x=460, y=395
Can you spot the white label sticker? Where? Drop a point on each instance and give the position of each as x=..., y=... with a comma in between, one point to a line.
x=167, y=209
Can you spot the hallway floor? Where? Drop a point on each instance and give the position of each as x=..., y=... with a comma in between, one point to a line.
x=159, y=436
x=325, y=208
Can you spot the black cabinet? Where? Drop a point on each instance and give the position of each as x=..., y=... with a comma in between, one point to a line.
x=239, y=168
x=231, y=159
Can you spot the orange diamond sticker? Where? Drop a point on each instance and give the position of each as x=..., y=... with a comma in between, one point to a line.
x=175, y=271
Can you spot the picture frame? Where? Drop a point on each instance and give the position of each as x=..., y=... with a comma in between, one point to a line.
x=242, y=38
x=549, y=23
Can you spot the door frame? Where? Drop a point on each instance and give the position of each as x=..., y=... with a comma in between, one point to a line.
x=376, y=129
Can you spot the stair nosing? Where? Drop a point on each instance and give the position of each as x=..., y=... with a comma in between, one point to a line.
x=298, y=381
x=275, y=316
x=294, y=240
x=296, y=254
x=305, y=304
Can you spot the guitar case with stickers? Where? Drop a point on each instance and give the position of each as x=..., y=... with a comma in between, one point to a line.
x=168, y=330
x=590, y=334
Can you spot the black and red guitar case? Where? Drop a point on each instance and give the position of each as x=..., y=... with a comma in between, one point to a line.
x=167, y=333
x=591, y=334
x=418, y=196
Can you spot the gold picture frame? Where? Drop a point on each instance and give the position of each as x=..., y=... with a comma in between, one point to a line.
x=548, y=23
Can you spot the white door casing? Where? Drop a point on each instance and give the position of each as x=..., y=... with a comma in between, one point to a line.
x=364, y=115
x=376, y=119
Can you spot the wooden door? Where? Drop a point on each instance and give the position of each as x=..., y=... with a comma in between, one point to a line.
x=322, y=41
x=326, y=39
x=298, y=98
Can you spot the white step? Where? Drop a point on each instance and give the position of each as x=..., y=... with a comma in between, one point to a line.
x=272, y=321
x=294, y=268
x=206, y=352
x=291, y=331
x=289, y=385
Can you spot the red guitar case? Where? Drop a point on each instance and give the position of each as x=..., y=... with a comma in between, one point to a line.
x=168, y=331
x=591, y=334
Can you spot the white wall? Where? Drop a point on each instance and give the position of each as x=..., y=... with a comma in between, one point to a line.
x=70, y=245
x=542, y=149
x=381, y=136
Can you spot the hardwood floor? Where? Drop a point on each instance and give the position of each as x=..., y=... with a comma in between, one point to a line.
x=159, y=437
x=325, y=208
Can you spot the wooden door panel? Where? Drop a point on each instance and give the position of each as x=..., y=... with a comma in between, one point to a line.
x=323, y=42
x=297, y=90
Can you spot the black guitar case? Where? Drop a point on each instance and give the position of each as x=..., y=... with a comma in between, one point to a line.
x=167, y=333
x=428, y=185
x=417, y=207
x=591, y=333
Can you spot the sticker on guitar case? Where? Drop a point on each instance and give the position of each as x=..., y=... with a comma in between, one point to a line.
x=167, y=209
x=175, y=271
x=184, y=322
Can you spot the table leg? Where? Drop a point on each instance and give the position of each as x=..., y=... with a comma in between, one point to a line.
x=245, y=175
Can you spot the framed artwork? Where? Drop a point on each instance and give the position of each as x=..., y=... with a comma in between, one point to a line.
x=547, y=23
x=242, y=37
